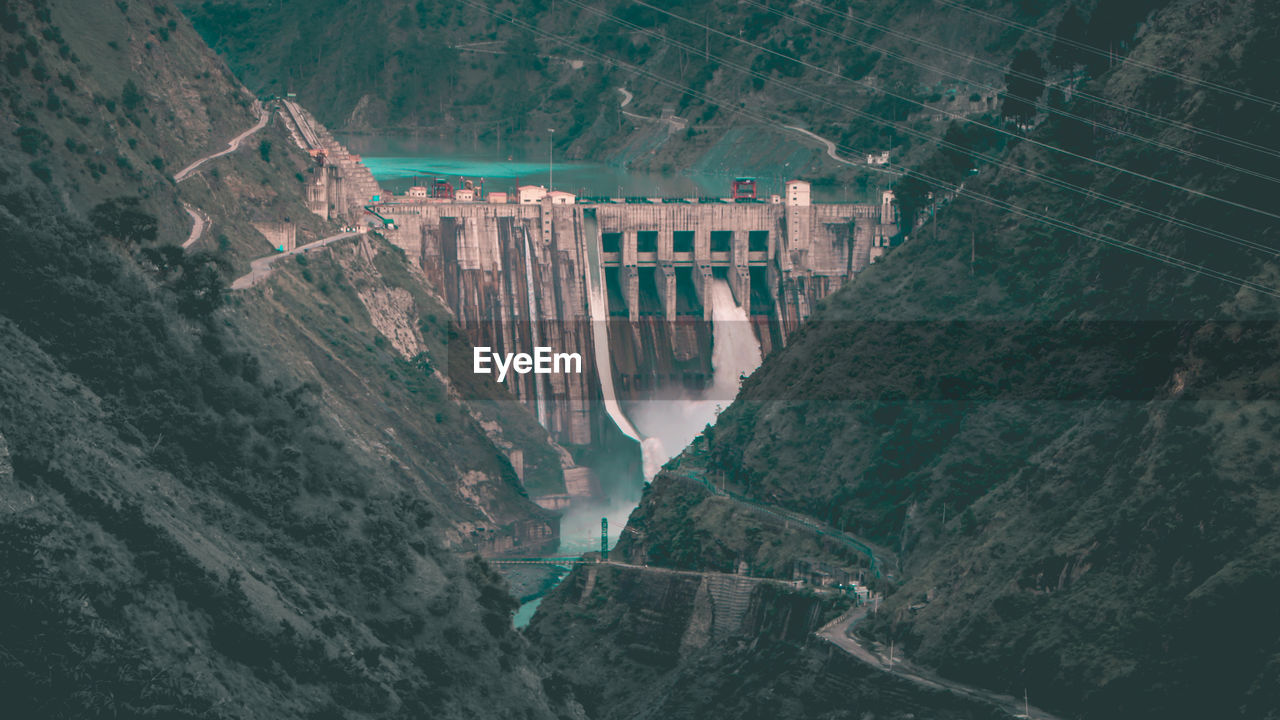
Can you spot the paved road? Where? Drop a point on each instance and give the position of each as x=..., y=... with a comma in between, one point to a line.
x=260, y=269
x=198, y=224
x=232, y=146
x=837, y=633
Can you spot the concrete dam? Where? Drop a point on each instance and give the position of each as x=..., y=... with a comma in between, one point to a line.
x=627, y=283
x=522, y=272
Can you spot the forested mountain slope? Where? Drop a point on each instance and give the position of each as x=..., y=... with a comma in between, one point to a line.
x=214, y=504
x=484, y=74
x=1073, y=446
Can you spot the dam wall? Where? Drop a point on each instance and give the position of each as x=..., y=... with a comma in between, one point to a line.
x=516, y=275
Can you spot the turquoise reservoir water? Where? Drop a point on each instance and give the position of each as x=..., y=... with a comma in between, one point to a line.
x=398, y=163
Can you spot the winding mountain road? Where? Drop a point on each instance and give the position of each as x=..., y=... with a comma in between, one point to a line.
x=232, y=146
x=831, y=146
x=198, y=224
x=837, y=632
x=831, y=151
x=672, y=122
x=260, y=269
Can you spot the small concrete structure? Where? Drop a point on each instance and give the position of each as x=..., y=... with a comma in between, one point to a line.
x=560, y=197
x=283, y=236
x=497, y=198
x=580, y=482
x=819, y=573
x=553, y=502
x=417, y=192
x=888, y=209
x=530, y=194
x=465, y=194
x=798, y=193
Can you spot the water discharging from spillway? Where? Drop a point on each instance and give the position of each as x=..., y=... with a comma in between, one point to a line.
x=669, y=425
x=598, y=307
x=664, y=427
x=539, y=394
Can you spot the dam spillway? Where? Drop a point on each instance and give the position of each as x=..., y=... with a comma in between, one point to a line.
x=515, y=271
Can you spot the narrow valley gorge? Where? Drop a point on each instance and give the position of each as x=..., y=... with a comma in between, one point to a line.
x=701, y=359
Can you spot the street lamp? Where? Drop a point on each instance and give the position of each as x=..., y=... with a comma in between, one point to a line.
x=551, y=167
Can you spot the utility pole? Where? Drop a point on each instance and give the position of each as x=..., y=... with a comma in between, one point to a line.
x=604, y=539
x=973, y=250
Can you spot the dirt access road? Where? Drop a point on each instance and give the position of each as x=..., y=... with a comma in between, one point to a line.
x=232, y=146
x=837, y=633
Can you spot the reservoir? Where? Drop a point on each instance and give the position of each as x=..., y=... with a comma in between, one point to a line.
x=398, y=163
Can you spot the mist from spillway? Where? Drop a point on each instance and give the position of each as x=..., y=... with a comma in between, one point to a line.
x=665, y=427
x=669, y=425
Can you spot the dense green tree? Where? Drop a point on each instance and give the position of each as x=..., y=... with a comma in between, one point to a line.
x=1024, y=84
x=124, y=220
x=1071, y=31
x=131, y=97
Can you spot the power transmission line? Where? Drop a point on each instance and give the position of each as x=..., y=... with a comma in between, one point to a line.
x=952, y=115
x=980, y=197
x=1056, y=182
x=1040, y=106
x=1241, y=94
x=1096, y=99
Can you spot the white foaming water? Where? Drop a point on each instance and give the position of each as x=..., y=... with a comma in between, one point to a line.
x=580, y=527
x=539, y=395
x=598, y=308
x=669, y=425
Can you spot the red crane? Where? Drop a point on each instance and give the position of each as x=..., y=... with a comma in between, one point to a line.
x=744, y=188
